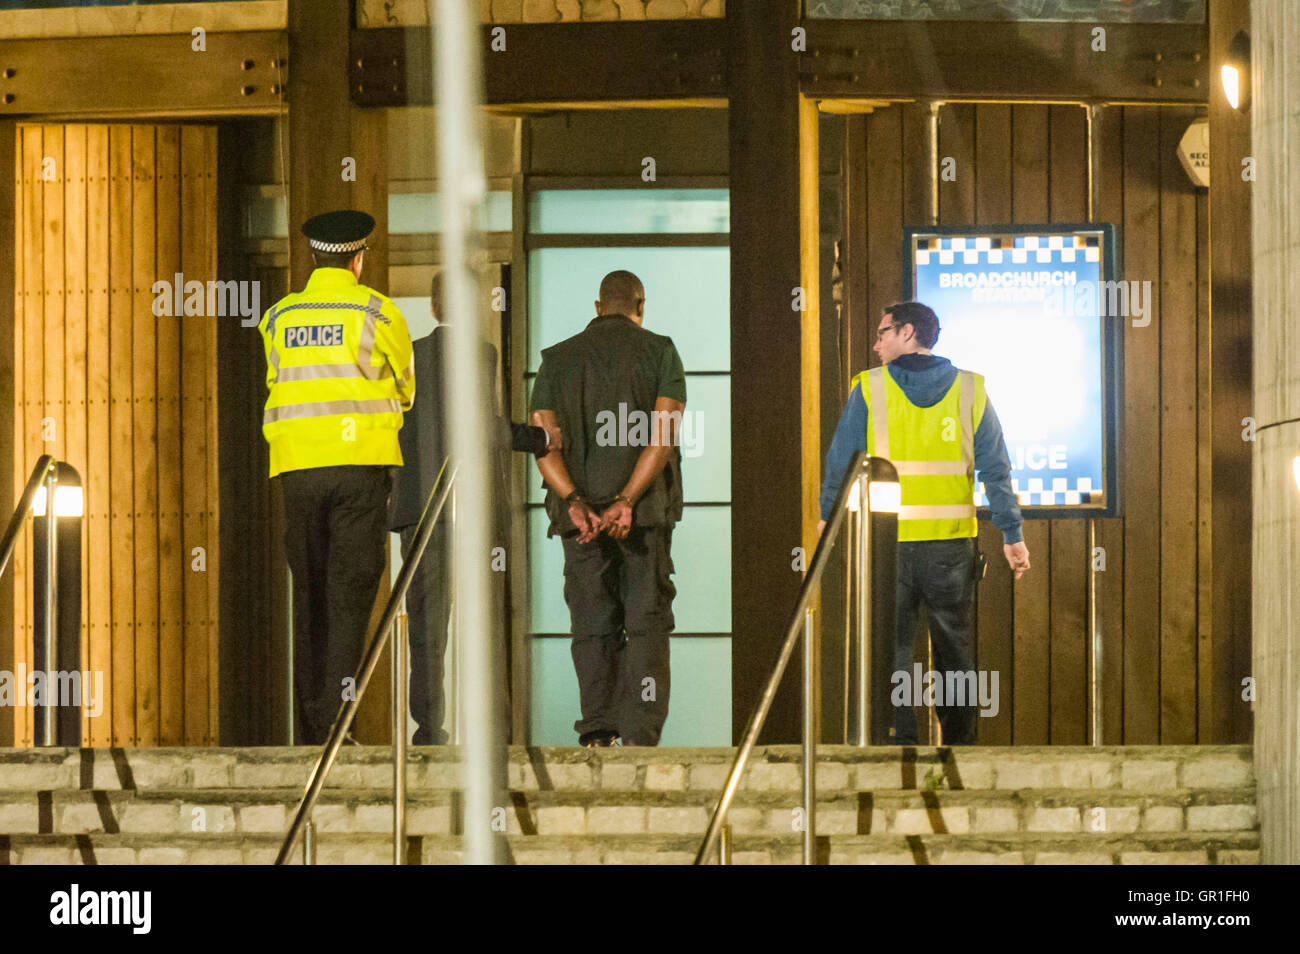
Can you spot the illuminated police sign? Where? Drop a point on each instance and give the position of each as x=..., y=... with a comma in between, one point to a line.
x=1030, y=308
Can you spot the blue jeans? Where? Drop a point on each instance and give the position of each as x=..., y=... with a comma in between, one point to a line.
x=940, y=574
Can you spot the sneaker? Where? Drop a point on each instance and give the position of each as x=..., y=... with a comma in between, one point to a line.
x=599, y=739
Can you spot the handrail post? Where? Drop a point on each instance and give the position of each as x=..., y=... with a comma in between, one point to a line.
x=821, y=555
x=399, y=696
x=809, y=739
x=43, y=465
x=369, y=662
x=862, y=544
x=50, y=597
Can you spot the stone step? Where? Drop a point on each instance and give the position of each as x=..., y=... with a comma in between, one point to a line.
x=1195, y=848
x=433, y=812
x=772, y=768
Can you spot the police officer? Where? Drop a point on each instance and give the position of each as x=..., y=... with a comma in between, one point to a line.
x=613, y=498
x=340, y=374
x=935, y=423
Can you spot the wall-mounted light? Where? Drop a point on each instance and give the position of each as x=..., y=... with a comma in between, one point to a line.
x=1235, y=72
x=1295, y=466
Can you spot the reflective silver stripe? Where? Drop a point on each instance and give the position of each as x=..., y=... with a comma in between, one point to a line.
x=288, y=412
x=937, y=512
x=879, y=419
x=270, y=336
x=930, y=468
x=366, y=347
x=314, y=372
x=317, y=305
x=966, y=404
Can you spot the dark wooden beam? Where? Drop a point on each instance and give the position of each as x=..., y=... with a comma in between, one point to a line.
x=1001, y=60
x=648, y=59
x=325, y=130
x=1231, y=398
x=141, y=75
x=766, y=472
x=8, y=261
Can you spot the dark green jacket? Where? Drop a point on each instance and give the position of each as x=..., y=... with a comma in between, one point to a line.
x=602, y=385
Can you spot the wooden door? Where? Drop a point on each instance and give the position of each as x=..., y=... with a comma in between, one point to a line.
x=103, y=214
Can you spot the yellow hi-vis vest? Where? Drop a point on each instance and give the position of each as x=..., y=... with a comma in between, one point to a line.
x=340, y=370
x=933, y=449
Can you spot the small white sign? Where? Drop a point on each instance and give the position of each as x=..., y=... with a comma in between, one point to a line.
x=1194, y=153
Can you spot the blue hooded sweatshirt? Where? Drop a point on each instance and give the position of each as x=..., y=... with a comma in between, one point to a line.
x=925, y=379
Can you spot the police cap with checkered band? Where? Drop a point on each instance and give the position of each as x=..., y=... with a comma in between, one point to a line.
x=343, y=231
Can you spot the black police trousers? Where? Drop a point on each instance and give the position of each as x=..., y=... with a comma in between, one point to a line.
x=335, y=534
x=428, y=608
x=940, y=573
x=620, y=597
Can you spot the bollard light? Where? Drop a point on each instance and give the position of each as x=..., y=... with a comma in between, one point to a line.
x=68, y=501
x=883, y=493
x=56, y=598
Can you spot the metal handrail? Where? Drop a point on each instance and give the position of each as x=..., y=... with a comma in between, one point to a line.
x=43, y=466
x=348, y=710
x=858, y=469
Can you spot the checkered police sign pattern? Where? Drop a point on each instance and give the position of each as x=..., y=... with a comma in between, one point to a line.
x=1015, y=250
x=1062, y=490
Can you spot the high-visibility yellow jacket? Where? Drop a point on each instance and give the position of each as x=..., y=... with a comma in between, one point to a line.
x=340, y=370
x=933, y=449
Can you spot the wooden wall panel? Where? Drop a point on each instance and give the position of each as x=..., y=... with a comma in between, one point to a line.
x=29, y=443
x=994, y=594
x=195, y=242
x=1140, y=460
x=98, y=648
x=1110, y=532
x=9, y=176
x=121, y=506
x=1067, y=564
x=1031, y=606
x=204, y=157
x=144, y=420
x=102, y=214
x=1154, y=596
x=74, y=334
x=917, y=210
x=171, y=637
x=1178, y=451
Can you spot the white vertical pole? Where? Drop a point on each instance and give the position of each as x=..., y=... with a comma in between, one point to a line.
x=462, y=186
x=931, y=711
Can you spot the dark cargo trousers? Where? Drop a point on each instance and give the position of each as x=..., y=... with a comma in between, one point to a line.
x=941, y=574
x=620, y=597
x=428, y=606
x=335, y=535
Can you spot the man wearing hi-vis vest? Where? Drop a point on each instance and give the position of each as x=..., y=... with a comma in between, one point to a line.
x=340, y=373
x=935, y=424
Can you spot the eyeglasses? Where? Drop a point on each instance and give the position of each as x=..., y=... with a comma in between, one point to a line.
x=882, y=329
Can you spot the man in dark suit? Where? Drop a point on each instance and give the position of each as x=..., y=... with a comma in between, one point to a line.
x=425, y=442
